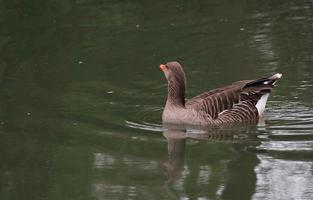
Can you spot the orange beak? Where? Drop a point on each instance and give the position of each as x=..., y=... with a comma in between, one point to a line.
x=162, y=67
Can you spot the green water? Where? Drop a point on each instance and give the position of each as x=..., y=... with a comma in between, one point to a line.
x=81, y=98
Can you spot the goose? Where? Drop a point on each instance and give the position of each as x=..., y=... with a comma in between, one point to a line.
x=241, y=101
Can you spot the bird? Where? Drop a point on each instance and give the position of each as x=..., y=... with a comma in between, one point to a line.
x=241, y=101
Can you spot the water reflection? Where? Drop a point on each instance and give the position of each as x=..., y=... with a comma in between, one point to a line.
x=215, y=174
x=283, y=179
x=264, y=174
x=176, y=154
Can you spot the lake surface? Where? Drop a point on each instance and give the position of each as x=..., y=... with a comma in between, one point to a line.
x=81, y=97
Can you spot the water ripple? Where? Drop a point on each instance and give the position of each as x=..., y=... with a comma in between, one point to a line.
x=287, y=145
x=145, y=126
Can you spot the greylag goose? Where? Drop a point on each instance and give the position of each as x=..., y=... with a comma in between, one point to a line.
x=239, y=102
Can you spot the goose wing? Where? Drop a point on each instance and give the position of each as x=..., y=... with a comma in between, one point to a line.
x=217, y=100
x=238, y=98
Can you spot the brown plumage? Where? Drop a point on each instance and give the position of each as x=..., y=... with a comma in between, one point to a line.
x=241, y=101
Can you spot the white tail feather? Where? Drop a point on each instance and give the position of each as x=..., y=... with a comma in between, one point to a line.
x=260, y=105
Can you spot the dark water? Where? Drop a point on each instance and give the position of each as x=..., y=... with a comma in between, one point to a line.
x=81, y=98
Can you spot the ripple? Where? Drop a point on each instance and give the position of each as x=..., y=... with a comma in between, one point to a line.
x=287, y=145
x=145, y=126
x=283, y=179
x=288, y=128
x=290, y=118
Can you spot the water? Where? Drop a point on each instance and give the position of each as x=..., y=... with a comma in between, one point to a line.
x=81, y=98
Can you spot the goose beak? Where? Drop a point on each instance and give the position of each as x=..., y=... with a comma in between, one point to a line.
x=162, y=67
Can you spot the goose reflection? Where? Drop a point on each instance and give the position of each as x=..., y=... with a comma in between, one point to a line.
x=176, y=145
x=216, y=165
x=177, y=137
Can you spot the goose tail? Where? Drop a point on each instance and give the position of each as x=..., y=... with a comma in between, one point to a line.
x=259, y=90
x=267, y=81
x=275, y=77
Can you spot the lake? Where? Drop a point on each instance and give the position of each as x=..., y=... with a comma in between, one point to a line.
x=81, y=98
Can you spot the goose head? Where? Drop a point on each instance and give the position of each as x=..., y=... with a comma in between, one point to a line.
x=176, y=81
